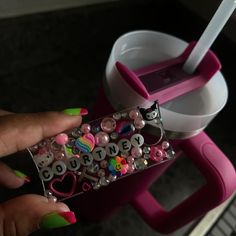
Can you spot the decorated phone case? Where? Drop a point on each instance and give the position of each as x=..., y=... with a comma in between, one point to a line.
x=101, y=151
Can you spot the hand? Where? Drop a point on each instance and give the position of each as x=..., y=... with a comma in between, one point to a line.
x=22, y=215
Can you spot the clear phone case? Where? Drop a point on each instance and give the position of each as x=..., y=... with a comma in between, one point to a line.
x=101, y=151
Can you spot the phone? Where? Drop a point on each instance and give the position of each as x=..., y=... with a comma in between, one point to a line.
x=101, y=151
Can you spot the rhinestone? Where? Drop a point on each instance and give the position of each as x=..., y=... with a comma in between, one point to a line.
x=93, y=168
x=76, y=132
x=146, y=150
x=42, y=143
x=146, y=156
x=95, y=129
x=71, y=142
x=52, y=199
x=165, y=145
x=48, y=193
x=101, y=173
x=112, y=178
x=117, y=116
x=55, y=147
x=140, y=164
x=114, y=135
x=34, y=148
x=97, y=186
x=103, y=181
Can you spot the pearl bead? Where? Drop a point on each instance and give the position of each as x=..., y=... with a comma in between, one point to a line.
x=131, y=168
x=101, y=173
x=133, y=114
x=139, y=123
x=101, y=139
x=85, y=128
x=165, y=145
x=136, y=152
x=130, y=159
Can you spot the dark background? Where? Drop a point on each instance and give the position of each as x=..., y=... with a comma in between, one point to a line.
x=55, y=60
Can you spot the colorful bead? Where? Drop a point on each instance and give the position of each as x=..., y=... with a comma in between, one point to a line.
x=118, y=165
x=61, y=139
x=101, y=139
x=125, y=128
x=157, y=153
x=85, y=143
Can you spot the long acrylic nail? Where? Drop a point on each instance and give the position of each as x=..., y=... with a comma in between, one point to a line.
x=57, y=220
x=22, y=176
x=76, y=111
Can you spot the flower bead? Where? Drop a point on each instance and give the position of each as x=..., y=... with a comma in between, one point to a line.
x=118, y=166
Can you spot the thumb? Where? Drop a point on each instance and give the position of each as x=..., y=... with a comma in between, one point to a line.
x=25, y=214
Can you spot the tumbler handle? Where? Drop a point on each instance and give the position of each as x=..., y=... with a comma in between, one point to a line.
x=221, y=183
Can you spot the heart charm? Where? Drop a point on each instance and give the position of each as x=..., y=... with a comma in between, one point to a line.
x=85, y=143
x=59, y=186
x=86, y=186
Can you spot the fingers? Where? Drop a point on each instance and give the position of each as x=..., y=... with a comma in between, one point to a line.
x=3, y=112
x=11, y=178
x=19, y=131
x=24, y=214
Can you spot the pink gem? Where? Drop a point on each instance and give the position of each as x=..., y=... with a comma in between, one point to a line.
x=136, y=152
x=139, y=123
x=108, y=124
x=85, y=128
x=61, y=139
x=157, y=153
x=133, y=114
x=101, y=139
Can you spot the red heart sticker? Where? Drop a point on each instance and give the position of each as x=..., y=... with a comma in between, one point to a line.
x=86, y=186
x=59, y=186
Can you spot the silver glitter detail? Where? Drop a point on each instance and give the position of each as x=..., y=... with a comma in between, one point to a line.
x=146, y=150
x=146, y=156
x=71, y=143
x=76, y=132
x=93, y=168
x=95, y=129
x=113, y=135
x=56, y=147
x=140, y=164
x=103, y=181
x=117, y=116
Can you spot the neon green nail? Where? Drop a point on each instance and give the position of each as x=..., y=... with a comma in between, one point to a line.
x=22, y=176
x=56, y=220
x=75, y=111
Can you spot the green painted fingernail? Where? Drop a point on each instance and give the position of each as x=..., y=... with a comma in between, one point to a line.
x=57, y=220
x=76, y=111
x=22, y=176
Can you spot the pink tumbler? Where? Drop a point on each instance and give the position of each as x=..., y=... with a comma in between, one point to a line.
x=184, y=119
